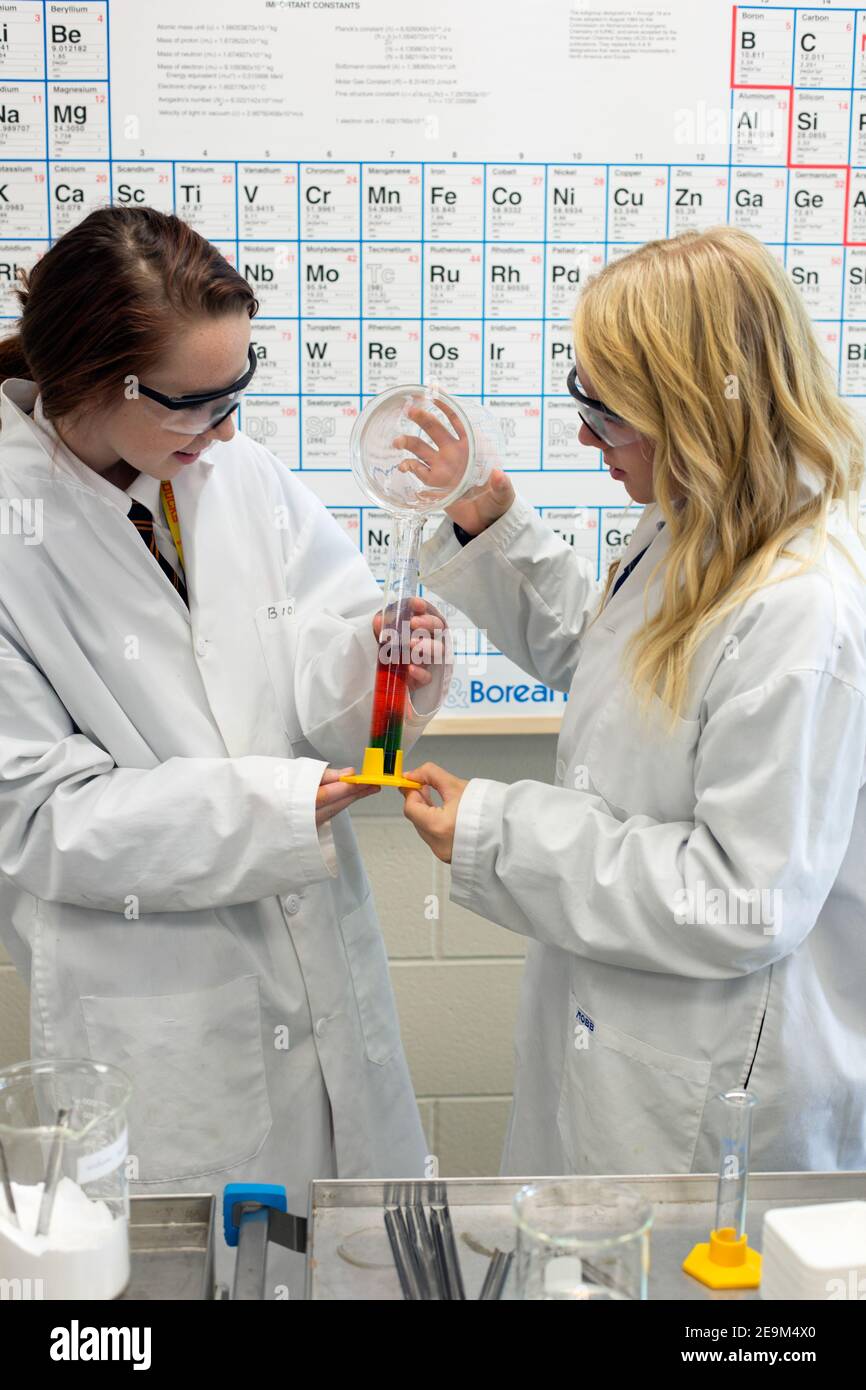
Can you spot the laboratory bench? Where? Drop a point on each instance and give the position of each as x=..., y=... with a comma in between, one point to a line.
x=347, y=1251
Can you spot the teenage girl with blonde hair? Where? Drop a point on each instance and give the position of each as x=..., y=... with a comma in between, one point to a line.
x=692, y=886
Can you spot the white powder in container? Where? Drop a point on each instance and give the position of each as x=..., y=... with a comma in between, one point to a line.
x=84, y=1255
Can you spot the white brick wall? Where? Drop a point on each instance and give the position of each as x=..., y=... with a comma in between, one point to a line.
x=456, y=979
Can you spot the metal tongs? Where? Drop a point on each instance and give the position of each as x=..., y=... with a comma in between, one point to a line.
x=52, y=1173
x=7, y=1188
x=423, y=1246
x=497, y=1273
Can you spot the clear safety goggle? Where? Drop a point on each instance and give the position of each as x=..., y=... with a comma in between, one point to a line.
x=202, y=410
x=610, y=428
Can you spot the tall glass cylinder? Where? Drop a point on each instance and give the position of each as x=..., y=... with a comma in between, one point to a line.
x=412, y=488
x=736, y=1127
x=394, y=655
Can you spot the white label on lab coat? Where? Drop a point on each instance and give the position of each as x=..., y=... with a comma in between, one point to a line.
x=272, y=612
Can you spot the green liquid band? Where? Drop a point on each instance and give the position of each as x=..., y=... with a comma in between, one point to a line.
x=391, y=742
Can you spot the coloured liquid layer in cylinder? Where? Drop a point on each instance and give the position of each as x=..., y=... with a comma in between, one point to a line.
x=389, y=706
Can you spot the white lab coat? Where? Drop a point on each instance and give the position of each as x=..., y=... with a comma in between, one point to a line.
x=631, y=1018
x=162, y=883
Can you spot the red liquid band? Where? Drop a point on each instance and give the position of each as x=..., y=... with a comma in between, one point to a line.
x=389, y=708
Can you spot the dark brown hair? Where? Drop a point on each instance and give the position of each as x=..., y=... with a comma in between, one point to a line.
x=106, y=300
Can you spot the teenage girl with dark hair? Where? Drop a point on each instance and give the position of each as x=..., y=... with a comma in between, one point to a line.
x=187, y=641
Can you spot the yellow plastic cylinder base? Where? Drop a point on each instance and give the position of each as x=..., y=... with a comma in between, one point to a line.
x=725, y=1262
x=373, y=772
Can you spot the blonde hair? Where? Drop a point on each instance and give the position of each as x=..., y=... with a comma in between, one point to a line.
x=704, y=345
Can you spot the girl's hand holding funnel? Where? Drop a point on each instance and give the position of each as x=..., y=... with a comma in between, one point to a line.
x=442, y=468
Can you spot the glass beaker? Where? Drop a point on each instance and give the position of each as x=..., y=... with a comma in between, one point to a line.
x=580, y=1240
x=64, y=1201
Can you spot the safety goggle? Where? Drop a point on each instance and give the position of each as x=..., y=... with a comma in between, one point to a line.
x=201, y=411
x=610, y=428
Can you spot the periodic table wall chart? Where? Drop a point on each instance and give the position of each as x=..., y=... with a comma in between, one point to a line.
x=417, y=193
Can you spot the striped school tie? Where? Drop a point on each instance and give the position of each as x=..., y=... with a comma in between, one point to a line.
x=142, y=519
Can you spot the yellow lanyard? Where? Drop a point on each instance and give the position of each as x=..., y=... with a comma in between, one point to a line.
x=169, y=506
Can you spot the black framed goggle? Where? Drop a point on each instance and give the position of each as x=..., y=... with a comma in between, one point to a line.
x=201, y=410
x=604, y=422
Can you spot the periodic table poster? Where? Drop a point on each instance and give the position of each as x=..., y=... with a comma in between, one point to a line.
x=417, y=193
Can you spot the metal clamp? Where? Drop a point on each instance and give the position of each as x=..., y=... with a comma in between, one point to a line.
x=253, y=1215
